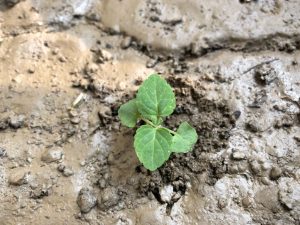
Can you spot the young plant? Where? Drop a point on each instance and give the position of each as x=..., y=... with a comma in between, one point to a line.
x=153, y=142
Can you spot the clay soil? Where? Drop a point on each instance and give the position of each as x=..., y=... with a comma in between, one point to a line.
x=67, y=66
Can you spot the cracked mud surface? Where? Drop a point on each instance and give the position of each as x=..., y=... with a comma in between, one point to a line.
x=234, y=66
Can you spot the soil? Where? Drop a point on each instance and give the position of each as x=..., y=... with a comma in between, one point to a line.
x=67, y=66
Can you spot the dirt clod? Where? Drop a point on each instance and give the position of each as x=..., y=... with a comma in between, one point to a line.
x=86, y=200
x=52, y=155
x=16, y=121
x=19, y=177
x=108, y=198
x=275, y=173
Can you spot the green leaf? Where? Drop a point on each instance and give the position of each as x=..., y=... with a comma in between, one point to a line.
x=155, y=98
x=152, y=146
x=128, y=113
x=185, y=138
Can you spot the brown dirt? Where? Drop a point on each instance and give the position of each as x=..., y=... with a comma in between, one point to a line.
x=234, y=67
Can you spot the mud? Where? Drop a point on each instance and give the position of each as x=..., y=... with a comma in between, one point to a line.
x=67, y=66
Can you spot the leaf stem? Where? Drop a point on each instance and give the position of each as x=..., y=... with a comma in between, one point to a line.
x=148, y=122
x=172, y=132
x=161, y=127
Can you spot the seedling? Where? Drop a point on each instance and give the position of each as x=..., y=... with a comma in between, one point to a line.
x=153, y=142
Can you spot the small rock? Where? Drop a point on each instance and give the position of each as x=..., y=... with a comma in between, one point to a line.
x=105, y=55
x=4, y=123
x=151, y=63
x=265, y=74
x=109, y=197
x=19, y=177
x=233, y=168
x=246, y=202
x=31, y=70
x=73, y=113
x=2, y=152
x=68, y=171
x=61, y=167
x=104, y=111
x=286, y=200
x=91, y=68
x=62, y=59
x=40, y=191
x=16, y=121
x=86, y=200
x=52, y=155
x=265, y=180
x=94, y=17
x=255, y=167
x=222, y=203
x=121, y=86
x=75, y=120
x=238, y=155
x=166, y=193
x=126, y=42
x=275, y=173
x=253, y=126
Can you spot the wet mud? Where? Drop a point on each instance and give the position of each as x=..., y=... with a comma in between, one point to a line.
x=67, y=66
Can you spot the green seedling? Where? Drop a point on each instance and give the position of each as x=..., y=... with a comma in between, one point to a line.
x=153, y=142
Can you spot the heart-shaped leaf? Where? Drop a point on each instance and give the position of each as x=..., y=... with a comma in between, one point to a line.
x=184, y=139
x=152, y=146
x=129, y=114
x=155, y=99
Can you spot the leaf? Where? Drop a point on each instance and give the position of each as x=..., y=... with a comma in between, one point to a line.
x=155, y=98
x=128, y=113
x=185, y=138
x=152, y=146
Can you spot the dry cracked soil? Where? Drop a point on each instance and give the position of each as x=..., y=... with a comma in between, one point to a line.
x=67, y=66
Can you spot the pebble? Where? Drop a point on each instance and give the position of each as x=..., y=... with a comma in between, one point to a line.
x=166, y=193
x=238, y=155
x=265, y=74
x=253, y=126
x=105, y=55
x=126, y=42
x=151, y=63
x=121, y=86
x=2, y=152
x=31, y=70
x=86, y=200
x=275, y=173
x=91, y=68
x=52, y=155
x=75, y=120
x=109, y=197
x=255, y=167
x=222, y=203
x=16, y=121
x=246, y=202
x=286, y=200
x=19, y=177
x=104, y=111
x=66, y=171
x=94, y=17
x=265, y=181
